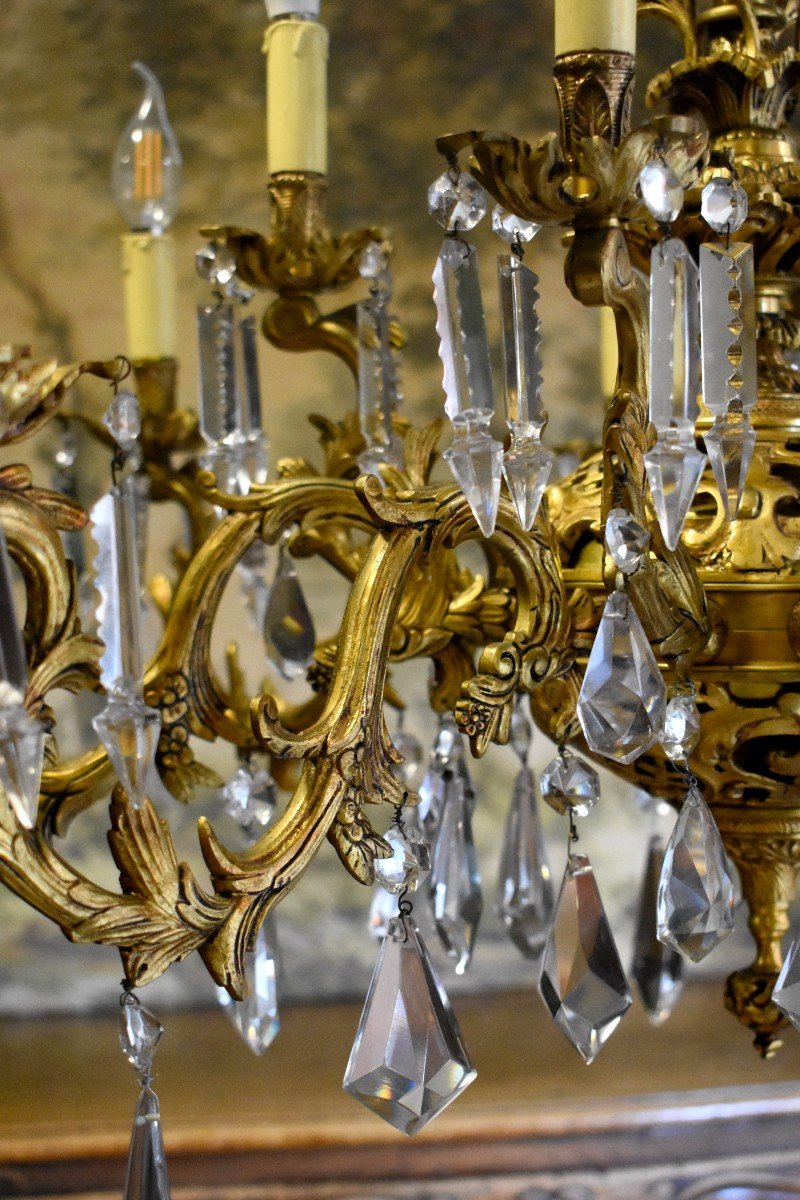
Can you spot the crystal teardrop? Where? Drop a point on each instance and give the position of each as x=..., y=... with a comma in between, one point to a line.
x=288, y=628
x=408, y=1060
x=582, y=981
x=657, y=969
x=455, y=883
x=256, y=1017
x=695, y=893
x=146, y=1177
x=623, y=699
x=525, y=882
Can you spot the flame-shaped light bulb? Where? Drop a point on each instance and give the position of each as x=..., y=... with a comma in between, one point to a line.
x=147, y=165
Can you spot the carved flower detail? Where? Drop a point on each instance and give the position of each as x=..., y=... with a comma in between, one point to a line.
x=474, y=717
x=171, y=698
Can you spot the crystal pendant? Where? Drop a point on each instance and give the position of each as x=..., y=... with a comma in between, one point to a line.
x=681, y=728
x=256, y=1017
x=582, y=981
x=627, y=541
x=146, y=1176
x=21, y=758
x=476, y=461
x=409, y=747
x=455, y=883
x=511, y=228
x=129, y=730
x=139, y=1034
x=378, y=387
x=569, y=785
x=447, y=762
x=786, y=993
x=662, y=191
x=410, y=861
x=723, y=205
x=408, y=1060
x=457, y=201
x=250, y=798
x=382, y=910
x=219, y=410
x=623, y=699
x=123, y=421
x=730, y=443
x=674, y=468
x=288, y=628
x=525, y=884
x=657, y=969
x=695, y=894
x=521, y=731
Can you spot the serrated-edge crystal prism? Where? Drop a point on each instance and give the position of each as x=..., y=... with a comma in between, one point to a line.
x=256, y=1018
x=674, y=334
x=457, y=201
x=289, y=633
x=657, y=969
x=730, y=443
x=786, y=993
x=525, y=885
x=626, y=540
x=139, y=1034
x=696, y=892
x=728, y=327
x=461, y=326
x=146, y=1175
x=623, y=697
x=129, y=730
x=455, y=882
x=674, y=469
x=408, y=1060
x=582, y=980
x=22, y=742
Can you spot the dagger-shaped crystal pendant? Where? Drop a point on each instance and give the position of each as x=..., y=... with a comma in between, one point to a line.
x=526, y=464
x=475, y=457
x=128, y=729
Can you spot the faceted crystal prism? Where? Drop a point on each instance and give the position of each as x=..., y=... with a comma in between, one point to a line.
x=219, y=411
x=476, y=461
x=582, y=981
x=457, y=201
x=681, y=728
x=525, y=890
x=626, y=540
x=730, y=443
x=129, y=730
x=409, y=864
x=695, y=894
x=657, y=969
x=461, y=326
x=408, y=1060
x=723, y=205
x=21, y=758
x=288, y=628
x=115, y=531
x=728, y=327
x=378, y=385
x=256, y=1017
x=786, y=993
x=521, y=340
x=569, y=785
x=661, y=190
x=455, y=883
x=623, y=700
x=511, y=228
x=139, y=1035
x=146, y=1177
x=674, y=334
x=674, y=468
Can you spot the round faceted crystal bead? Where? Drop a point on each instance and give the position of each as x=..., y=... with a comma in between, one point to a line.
x=215, y=263
x=661, y=191
x=458, y=202
x=626, y=540
x=409, y=863
x=569, y=784
x=681, y=728
x=511, y=228
x=373, y=261
x=723, y=205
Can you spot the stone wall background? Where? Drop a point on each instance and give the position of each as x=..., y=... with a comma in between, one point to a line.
x=401, y=74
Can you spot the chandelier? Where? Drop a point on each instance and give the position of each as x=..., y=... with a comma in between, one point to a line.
x=643, y=609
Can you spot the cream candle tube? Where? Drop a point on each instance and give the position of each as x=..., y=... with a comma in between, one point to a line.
x=297, y=96
x=595, y=25
x=148, y=268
